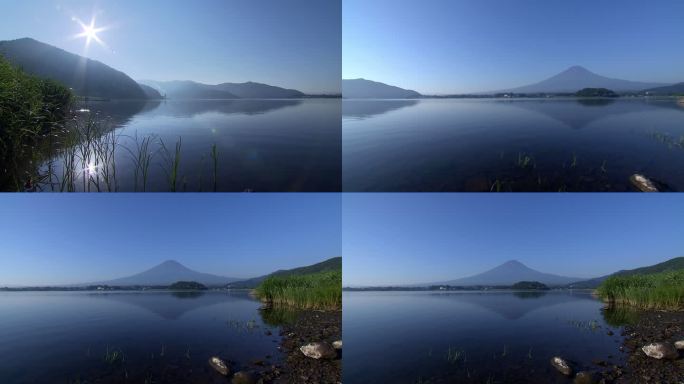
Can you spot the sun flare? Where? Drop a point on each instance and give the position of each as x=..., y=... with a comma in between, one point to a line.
x=90, y=32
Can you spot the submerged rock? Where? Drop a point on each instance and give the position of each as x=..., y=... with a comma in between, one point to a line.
x=585, y=377
x=243, y=377
x=660, y=351
x=642, y=183
x=561, y=365
x=679, y=344
x=219, y=365
x=318, y=350
x=337, y=344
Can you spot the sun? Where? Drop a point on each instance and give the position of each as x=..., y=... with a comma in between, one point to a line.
x=90, y=32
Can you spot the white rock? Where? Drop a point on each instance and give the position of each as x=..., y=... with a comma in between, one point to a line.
x=642, y=183
x=660, y=351
x=337, y=344
x=219, y=365
x=561, y=365
x=679, y=344
x=318, y=350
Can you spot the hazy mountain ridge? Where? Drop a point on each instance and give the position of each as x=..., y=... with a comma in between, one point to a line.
x=674, y=89
x=167, y=273
x=150, y=92
x=509, y=273
x=171, y=271
x=186, y=89
x=331, y=264
x=89, y=78
x=577, y=77
x=367, y=89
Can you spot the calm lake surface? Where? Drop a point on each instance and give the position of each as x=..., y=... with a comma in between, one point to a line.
x=261, y=145
x=473, y=337
x=161, y=337
x=511, y=145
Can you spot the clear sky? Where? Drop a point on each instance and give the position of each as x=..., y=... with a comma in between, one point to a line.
x=63, y=239
x=421, y=238
x=293, y=43
x=457, y=46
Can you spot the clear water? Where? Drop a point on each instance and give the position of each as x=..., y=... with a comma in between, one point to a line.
x=511, y=145
x=262, y=145
x=473, y=337
x=64, y=337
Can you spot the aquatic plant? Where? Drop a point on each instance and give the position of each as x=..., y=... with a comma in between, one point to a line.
x=454, y=355
x=664, y=290
x=322, y=290
x=173, y=160
x=525, y=161
x=113, y=356
x=591, y=325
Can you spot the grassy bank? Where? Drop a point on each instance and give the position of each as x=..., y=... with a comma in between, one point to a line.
x=664, y=290
x=322, y=290
x=31, y=109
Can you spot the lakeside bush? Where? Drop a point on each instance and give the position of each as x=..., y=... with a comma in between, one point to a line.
x=322, y=290
x=664, y=290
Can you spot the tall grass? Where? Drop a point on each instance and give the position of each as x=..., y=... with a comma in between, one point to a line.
x=31, y=109
x=322, y=290
x=663, y=290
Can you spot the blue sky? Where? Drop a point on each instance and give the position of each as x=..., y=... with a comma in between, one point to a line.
x=60, y=239
x=294, y=43
x=420, y=238
x=445, y=46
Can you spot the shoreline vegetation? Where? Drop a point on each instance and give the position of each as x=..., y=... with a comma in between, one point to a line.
x=654, y=291
x=313, y=291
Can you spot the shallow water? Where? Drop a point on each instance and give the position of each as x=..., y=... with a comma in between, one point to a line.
x=262, y=145
x=478, y=337
x=511, y=145
x=64, y=337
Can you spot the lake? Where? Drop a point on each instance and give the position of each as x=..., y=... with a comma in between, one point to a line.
x=511, y=145
x=474, y=337
x=139, y=337
x=260, y=145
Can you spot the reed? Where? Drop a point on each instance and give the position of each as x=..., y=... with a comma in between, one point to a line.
x=658, y=291
x=322, y=290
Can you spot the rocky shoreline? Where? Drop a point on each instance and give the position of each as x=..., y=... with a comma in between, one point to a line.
x=652, y=326
x=311, y=345
x=307, y=327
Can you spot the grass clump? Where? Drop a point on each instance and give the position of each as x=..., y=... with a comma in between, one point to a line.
x=322, y=290
x=664, y=290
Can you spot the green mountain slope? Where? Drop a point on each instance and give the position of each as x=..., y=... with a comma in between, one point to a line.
x=333, y=264
x=85, y=77
x=670, y=265
x=674, y=89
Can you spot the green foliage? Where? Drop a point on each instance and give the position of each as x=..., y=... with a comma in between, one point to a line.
x=664, y=290
x=31, y=108
x=596, y=92
x=322, y=290
x=188, y=285
x=530, y=285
